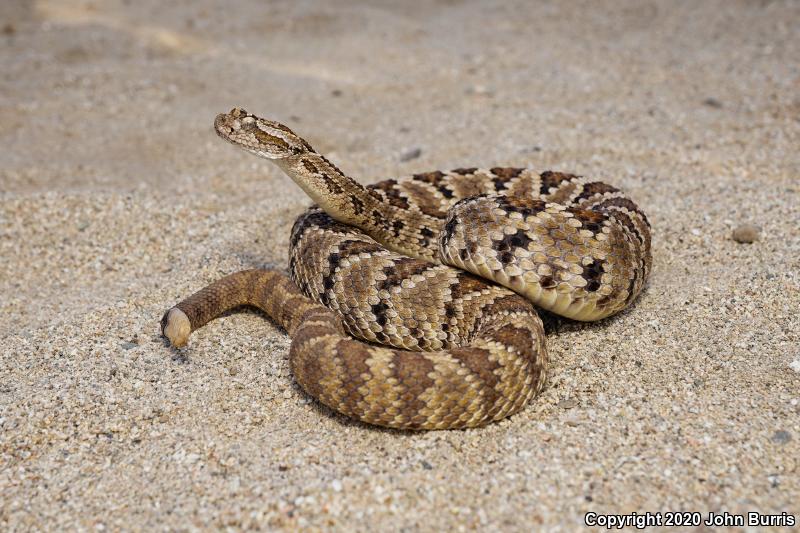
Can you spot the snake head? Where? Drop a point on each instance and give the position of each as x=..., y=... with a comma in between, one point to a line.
x=259, y=136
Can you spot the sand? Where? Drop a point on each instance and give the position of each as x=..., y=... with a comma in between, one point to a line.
x=118, y=200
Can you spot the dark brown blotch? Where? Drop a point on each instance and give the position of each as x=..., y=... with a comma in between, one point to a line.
x=521, y=340
x=506, y=172
x=445, y=191
x=401, y=269
x=379, y=310
x=611, y=205
x=432, y=178
x=309, y=166
x=524, y=206
x=391, y=193
x=328, y=279
x=380, y=220
x=593, y=189
x=307, y=370
x=509, y=243
x=547, y=282
x=590, y=220
x=632, y=292
x=266, y=138
x=353, y=356
x=358, y=205
x=464, y=171
x=412, y=370
x=311, y=219
x=550, y=179
x=503, y=175
x=479, y=362
x=355, y=247
x=328, y=283
x=448, y=231
x=397, y=227
x=426, y=235
x=592, y=274
x=331, y=184
x=466, y=284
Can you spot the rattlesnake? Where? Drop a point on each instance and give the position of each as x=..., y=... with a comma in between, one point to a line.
x=434, y=275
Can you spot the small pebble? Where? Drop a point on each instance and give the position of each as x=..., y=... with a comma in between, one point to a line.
x=781, y=436
x=529, y=149
x=480, y=90
x=336, y=485
x=129, y=345
x=712, y=102
x=746, y=233
x=568, y=404
x=411, y=154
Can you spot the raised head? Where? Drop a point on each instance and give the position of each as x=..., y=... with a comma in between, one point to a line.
x=259, y=136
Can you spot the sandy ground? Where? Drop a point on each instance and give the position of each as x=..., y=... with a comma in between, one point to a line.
x=117, y=200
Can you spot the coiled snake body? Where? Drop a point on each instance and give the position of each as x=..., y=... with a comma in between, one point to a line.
x=435, y=276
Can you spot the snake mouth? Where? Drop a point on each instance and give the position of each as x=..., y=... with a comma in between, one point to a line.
x=226, y=124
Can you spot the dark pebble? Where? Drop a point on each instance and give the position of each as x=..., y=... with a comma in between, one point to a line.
x=411, y=154
x=781, y=436
x=746, y=233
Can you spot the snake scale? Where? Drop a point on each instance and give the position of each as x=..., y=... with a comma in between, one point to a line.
x=411, y=301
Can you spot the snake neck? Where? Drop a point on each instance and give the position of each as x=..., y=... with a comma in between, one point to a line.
x=347, y=201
